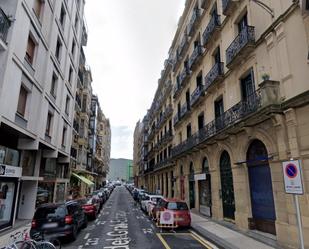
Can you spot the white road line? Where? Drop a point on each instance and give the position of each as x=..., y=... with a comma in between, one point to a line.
x=87, y=236
x=80, y=247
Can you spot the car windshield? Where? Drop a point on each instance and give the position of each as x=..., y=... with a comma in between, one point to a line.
x=177, y=206
x=50, y=212
x=155, y=199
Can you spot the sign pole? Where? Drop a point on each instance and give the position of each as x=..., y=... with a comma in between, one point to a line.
x=299, y=223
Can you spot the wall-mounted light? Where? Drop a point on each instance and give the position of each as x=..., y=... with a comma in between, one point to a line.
x=265, y=7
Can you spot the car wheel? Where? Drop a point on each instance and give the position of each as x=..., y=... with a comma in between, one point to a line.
x=74, y=233
x=85, y=223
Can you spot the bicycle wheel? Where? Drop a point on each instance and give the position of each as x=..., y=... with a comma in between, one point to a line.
x=56, y=243
x=45, y=245
x=24, y=244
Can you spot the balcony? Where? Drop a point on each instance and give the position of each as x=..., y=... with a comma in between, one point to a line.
x=197, y=95
x=163, y=163
x=181, y=81
x=166, y=138
x=215, y=75
x=4, y=25
x=212, y=29
x=193, y=21
x=228, y=6
x=242, y=45
x=183, y=45
x=248, y=112
x=78, y=102
x=184, y=110
x=195, y=56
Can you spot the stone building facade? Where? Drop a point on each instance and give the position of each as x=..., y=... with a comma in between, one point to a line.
x=240, y=103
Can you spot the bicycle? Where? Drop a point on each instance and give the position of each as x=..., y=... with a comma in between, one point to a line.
x=42, y=243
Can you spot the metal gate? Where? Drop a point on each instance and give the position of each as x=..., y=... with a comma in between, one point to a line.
x=227, y=188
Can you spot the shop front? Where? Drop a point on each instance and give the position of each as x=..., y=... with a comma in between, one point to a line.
x=9, y=175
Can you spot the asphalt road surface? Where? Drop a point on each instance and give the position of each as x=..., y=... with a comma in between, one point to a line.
x=122, y=225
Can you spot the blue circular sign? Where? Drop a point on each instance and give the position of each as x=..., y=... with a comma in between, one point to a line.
x=291, y=170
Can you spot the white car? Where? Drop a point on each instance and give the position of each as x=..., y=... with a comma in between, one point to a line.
x=149, y=202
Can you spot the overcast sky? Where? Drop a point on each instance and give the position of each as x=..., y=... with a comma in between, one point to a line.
x=128, y=41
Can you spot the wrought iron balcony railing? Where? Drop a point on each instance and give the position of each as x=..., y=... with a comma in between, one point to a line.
x=213, y=25
x=176, y=118
x=162, y=163
x=4, y=25
x=228, y=6
x=181, y=81
x=197, y=94
x=214, y=75
x=194, y=18
x=183, y=44
x=167, y=137
x=265, y=98
x=197, y=52
x=244, y=39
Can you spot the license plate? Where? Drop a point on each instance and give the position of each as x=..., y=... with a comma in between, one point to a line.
x=50, y=225
x=178, y=219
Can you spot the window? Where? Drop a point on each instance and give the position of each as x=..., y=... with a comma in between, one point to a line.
x=76, y=22
x=201, y=121
x=247, y=85
x=243, y=23
x=62, y=16
x=30, y=50
x=307, y=4
x=58, y=49
x=64, y=133
x=199, y=81
x=22, y=101
x=216, y=55
x=67, y=105
x=53, y=86
x=189, y=131
x=70, y=75
x=37, y=7
x=219, y=109
x=73, y=47
x=49, y=124
x=188, y=99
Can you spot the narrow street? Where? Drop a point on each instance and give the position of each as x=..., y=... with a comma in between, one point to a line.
x=121, y=225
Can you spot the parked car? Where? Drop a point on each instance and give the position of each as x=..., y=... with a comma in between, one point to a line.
x=152, y=203
x=90, y=206
x=98, y=195
x=145, y=199
x=61, y=220
x=180, y=208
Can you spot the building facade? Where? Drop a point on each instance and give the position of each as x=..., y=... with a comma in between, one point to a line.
x=240, y=109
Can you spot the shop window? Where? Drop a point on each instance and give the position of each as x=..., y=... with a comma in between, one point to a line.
x=22, y=101
x=7, y=197
x=30, y=50
x=45, y=193
x=28, y=163
x=60, y=192
x=9, y=156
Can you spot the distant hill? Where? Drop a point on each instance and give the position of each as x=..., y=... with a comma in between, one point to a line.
x=120, y=169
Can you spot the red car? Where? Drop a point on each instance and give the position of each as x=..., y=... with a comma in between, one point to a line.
x=180, y=208
x=90, y=206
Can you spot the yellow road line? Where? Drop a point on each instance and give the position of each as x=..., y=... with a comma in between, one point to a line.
x=202, y=240
x=163, y=241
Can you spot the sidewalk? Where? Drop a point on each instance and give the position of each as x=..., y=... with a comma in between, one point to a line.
x=228, y=238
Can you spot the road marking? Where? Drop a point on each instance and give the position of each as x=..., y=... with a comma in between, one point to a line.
x=202, y=240
x=87, y=236
x=163, y=241
x=92, y=242
x=147, y=230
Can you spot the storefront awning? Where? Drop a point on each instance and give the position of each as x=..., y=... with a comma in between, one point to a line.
x=83, y=179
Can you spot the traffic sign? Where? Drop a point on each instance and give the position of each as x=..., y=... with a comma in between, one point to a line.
x=167, y=218
x=292, y=177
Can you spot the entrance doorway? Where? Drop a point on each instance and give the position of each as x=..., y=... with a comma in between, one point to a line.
x=262, y=200
x=227, y=188
x=205, y=190
x=191, y=187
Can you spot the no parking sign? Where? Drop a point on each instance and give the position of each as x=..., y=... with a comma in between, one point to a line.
x=292, y=177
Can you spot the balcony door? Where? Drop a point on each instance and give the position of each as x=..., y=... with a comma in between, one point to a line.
x=217, y=56
x=219, y=110
x=247, y=86
x=243, y=23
